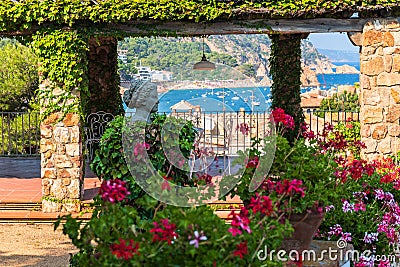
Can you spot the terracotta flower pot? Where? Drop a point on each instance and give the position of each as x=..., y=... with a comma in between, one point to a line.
x=305, y=226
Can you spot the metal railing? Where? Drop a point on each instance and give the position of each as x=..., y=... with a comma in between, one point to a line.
x=223, y=132
x=19, y=134
x=316, y=119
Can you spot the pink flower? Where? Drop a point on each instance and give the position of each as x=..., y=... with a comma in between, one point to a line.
x=140, y=149
x=244, y=128
x=239, y=222
x=113, y=190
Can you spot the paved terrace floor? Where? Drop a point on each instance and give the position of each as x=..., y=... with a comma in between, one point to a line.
x=20, y=181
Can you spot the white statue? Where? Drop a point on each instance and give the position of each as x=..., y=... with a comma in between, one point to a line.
x=142, y=96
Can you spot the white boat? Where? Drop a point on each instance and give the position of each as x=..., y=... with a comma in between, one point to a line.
x=255, y=103
x=204, y=95
x=235, y=98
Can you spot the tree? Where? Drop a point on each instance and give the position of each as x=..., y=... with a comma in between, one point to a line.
x=18, y=76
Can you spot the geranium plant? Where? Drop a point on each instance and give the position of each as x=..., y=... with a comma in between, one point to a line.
x=305, y=168
x=368, y=213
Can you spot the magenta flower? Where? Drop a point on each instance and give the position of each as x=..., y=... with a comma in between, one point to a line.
x=140, y=149
x=244, y=128
x=113, y=190
x=197, y=238
x=370, y=238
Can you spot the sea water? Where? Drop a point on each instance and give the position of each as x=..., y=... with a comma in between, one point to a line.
x=249, y=98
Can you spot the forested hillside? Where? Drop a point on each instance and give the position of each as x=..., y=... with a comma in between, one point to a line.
x=247, y=53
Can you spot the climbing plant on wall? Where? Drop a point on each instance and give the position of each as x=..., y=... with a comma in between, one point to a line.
x=62, y=70
x=285, y=68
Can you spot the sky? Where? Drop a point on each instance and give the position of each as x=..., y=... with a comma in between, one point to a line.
x=332, y=41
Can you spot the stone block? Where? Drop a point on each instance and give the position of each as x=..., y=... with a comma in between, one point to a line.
x=75, y=134
x=50, y=206
x=365, y=131
x=379, y=51
x=46, y=130
x=52, y=118
x=60, y=149
x=379, y=132
x=396, y=36
x=58, y=190
x=74, y=189
x=385, y=95
x=66, y=181
x=364, y=82
x=76, y=161
x=371, y=145
x=394, y=130
x=389, y=50
x=61, y=134
x=71, y=119
x=71, y=207
x=371, y=97
x=372, y=114
x=73, y=149
x=372, y=37
x=395, y=93
x=388, y=39
x=388, y=79
x=368, y=50
x=75, y=173
x=373, y=66
x=393, y=113
x=62, y=161
x=49, y=173
x=384, y=146
x=388, y=62
x=396, y=63
x=63, y=173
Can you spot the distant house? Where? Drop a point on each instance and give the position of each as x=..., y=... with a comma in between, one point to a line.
x=311, y=101
x=183, y=106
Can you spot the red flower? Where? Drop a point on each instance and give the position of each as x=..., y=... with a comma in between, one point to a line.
x=253, y=163
x=113, y=190
x=165, y=184
x=262, y=204
x=241, y=249
x=125, y=249
x=279, y=116
x=164, y=231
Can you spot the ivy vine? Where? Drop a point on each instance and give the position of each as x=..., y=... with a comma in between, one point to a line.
x=285, y=68
x=23, y=14
x=62, y=70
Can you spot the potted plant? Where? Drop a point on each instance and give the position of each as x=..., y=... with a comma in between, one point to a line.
x=301, y=178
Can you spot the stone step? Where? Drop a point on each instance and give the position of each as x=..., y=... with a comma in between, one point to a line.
x=29, y=216
x=20, y=206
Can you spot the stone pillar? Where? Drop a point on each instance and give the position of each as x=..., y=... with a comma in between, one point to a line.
x=103, y=76
x=380, y=88
x=285, y=62
x=63, y=80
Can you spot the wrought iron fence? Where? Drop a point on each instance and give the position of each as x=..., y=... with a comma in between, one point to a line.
x=19, y=134
x=223, y=132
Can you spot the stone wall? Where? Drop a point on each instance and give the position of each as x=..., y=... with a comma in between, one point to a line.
x=380, y=88
x=61, y=161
